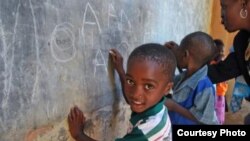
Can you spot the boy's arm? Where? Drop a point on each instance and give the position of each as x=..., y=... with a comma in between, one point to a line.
x=117, y=61
x=76, y=122
x=175, y=107
x=204, y=105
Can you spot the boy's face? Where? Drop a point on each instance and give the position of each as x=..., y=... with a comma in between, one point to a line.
x=230, y=14
x=145, y=85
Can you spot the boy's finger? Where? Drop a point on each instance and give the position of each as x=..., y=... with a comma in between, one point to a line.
x=168, y=45
x=79, y=113
x=70, y=115
x=113, y=55
x=115, y=52
x=82, y=118
x=69, y=118
x=74, y=113
x=112, y=52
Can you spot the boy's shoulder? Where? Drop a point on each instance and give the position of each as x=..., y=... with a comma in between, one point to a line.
x=200, y=76
x=201, y=73
x=204, y=83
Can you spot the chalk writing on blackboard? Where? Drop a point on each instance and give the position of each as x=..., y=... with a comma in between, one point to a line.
x=125, y=23
x=89, y=8
x=63, y=43
x=112, y=16
x=50, y=110
x=99, y=61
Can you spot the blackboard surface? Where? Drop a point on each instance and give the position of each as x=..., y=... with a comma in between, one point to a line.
x=54, y=54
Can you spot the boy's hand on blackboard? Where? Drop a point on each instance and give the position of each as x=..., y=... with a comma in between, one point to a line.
x=76, y=122
x=171, y=45
x=117, y=60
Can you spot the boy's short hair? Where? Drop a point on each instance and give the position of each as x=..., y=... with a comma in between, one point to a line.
x=201, y=45
x=156, y=53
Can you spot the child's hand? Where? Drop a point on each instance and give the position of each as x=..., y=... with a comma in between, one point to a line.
x=117, y=60
x=76, y=122
x=171, y=45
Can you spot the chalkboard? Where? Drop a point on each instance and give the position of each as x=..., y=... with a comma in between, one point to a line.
x=54, y=54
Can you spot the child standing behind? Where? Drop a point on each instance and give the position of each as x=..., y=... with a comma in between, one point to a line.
x=150, y=71
x=221, y=88
x=193, y=100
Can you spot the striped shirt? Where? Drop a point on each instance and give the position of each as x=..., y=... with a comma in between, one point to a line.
x=151, y=125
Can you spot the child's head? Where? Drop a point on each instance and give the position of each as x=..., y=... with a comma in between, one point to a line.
x=149, y=76
x=219, y=54
x=195, y=50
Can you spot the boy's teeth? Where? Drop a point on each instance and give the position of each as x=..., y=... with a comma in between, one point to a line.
x=137, y=102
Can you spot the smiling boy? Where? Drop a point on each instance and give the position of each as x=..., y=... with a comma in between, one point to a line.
x=149, y=76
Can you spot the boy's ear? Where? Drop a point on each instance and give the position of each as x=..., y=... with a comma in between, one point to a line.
x=168, y=87
x=186, y=53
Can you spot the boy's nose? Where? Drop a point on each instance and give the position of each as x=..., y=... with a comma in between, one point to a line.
x=137, y=93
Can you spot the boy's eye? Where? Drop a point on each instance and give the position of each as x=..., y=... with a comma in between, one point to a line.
x=149, y=86
x=130, y=82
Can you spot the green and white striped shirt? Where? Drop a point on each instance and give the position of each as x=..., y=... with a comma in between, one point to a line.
x=151, y=125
